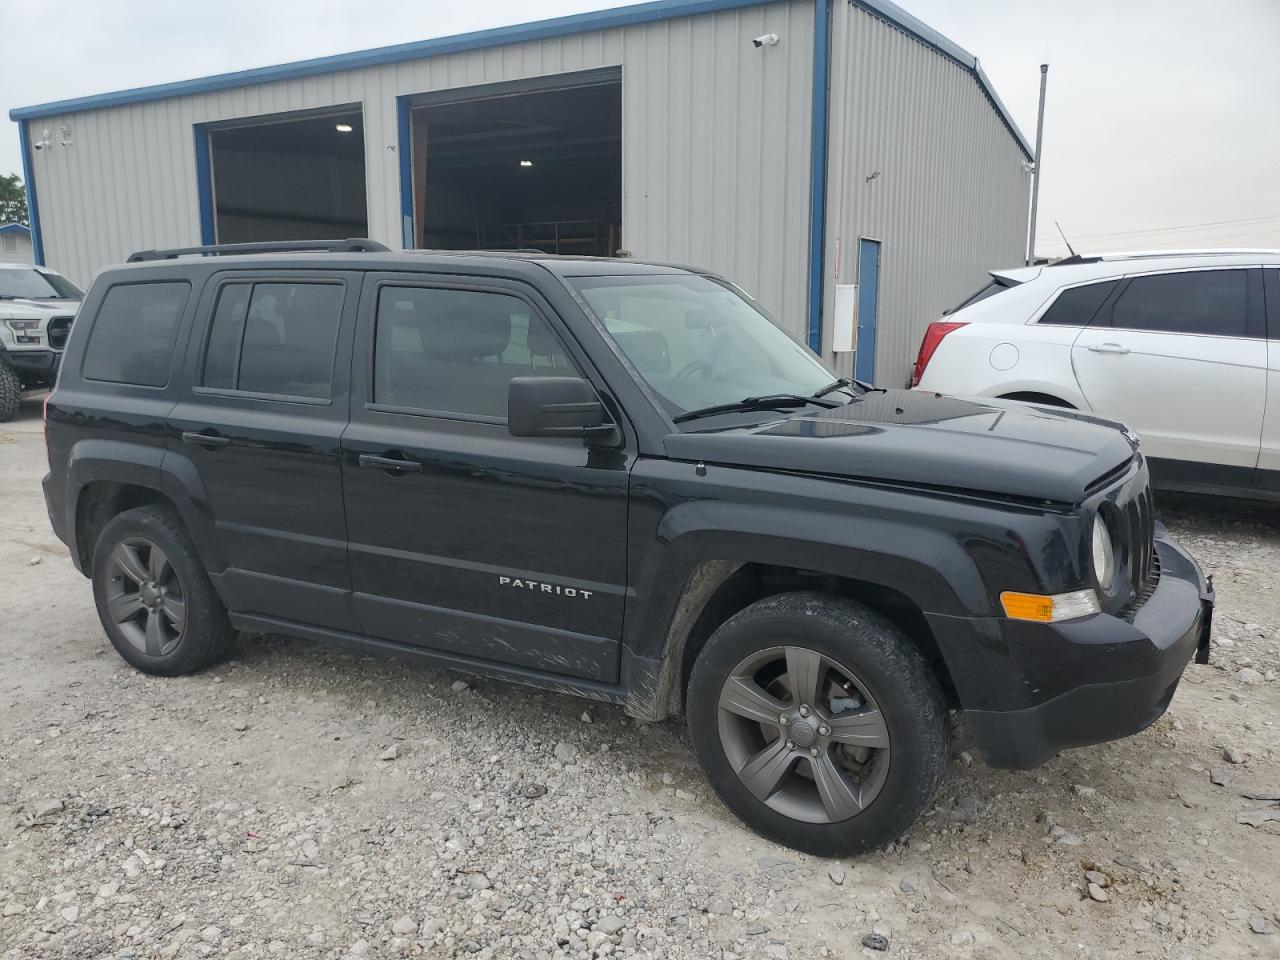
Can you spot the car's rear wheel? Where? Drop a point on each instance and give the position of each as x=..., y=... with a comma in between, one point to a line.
x=819, y=724
x=153, y=596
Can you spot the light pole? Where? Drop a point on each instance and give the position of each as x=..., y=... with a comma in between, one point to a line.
x=1035, y=177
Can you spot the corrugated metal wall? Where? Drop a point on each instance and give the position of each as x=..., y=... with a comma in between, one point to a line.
x=951, y=199
x=21, y=251
x=715, y=146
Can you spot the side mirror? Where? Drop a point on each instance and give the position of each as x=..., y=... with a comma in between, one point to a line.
x=555, y=407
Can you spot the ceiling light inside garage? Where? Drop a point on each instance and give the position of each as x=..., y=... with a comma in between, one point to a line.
x=526, y=163
x=342, y=127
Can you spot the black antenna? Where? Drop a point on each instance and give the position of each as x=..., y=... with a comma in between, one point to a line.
x=1064, y=238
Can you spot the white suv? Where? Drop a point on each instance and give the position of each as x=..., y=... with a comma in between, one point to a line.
x=1182, y=346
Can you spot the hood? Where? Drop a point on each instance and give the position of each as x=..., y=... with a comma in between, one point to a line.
x=30, y=309
x=914, y=437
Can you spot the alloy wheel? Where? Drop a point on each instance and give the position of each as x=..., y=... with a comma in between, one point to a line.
x=145, y=598
x=803, y=734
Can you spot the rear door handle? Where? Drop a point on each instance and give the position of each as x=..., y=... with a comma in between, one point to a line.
x=205, y=439
x=389, y=463
x=1108, y=348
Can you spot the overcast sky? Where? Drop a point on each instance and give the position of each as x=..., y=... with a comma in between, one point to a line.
x=1163, y=119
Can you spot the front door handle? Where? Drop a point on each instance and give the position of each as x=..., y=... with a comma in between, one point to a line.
x=1108, y=348
x=205, y=439
x=389, y=463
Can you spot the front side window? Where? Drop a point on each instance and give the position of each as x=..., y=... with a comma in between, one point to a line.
x=274, y=338
x=37, y=284
x=134, y=332
x=1076, y=306
x=1213, y=302
x=456, y=351
x=698, y=343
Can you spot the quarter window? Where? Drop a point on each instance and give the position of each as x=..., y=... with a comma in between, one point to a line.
x=134, y=333
x=274, y=338
x=456, y=351
x=1075, y=307
x=1213, y=302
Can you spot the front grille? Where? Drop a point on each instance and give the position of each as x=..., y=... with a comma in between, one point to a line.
x=1140, y=521
x=1148, y=588
x=59, y=328
x=1129, y=508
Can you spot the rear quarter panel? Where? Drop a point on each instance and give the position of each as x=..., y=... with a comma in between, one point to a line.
x=1002, y=350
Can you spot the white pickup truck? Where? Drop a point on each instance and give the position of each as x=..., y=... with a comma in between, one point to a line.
x=36, y=310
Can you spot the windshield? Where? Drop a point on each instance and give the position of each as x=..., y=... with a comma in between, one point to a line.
x=36, y=284
x=699, y=343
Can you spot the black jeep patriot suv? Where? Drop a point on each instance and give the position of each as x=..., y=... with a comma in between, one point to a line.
x=619, y=480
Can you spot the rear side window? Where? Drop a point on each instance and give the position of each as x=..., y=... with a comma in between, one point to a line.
x=134, y=332
x=456, y=351
x=1076, y=307
x=997, y=285
x=274, y=338
x=1213, y=302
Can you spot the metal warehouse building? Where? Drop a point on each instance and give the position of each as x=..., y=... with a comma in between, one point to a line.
x=799, y=147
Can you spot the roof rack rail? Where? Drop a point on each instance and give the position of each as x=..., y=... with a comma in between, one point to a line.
x=350, y=245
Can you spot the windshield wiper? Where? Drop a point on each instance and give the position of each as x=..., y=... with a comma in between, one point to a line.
x=768, y=402
x=836, y=385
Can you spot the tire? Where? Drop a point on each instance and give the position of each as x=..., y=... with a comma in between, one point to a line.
x=154, y=598
x=10, y=392
x=885, y=722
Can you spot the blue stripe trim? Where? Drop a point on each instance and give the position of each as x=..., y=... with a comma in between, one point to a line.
x=540, y=30
x=33, y=206
x=818, y=168
x=204, y=186
x=404, y=112
x=895, y=15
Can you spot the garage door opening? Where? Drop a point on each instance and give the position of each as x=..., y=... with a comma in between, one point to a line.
x=300, y=178
x=533, y=170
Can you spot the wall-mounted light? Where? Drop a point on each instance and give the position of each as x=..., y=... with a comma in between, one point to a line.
x=526, y=163
x=342, y=127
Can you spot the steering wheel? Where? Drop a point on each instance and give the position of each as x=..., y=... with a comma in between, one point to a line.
x=691, y=368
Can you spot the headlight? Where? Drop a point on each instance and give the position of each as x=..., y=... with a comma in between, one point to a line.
x=1104, y=553
x=18, y=326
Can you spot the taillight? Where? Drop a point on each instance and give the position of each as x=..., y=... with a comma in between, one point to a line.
x=932, y=337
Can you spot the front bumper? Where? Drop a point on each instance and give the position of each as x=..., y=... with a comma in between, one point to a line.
x=38, y=365
x=1119, y=676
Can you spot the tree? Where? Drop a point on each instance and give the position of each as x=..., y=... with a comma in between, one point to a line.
x=13, y=199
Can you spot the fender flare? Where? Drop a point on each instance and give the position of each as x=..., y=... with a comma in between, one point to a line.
x=94, y=460
x=704, y=543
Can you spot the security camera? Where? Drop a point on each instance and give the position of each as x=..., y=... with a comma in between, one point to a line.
x=37, y=146
x=768, y=40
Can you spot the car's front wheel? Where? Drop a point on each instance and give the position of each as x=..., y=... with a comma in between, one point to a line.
x=818, y=723
x=153, y=597
x=10, y=392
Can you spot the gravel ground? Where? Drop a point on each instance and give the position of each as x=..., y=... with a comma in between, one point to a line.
x=299, y=802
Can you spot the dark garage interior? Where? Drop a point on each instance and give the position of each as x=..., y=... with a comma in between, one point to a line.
x=290, y=179
x=534, y=170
